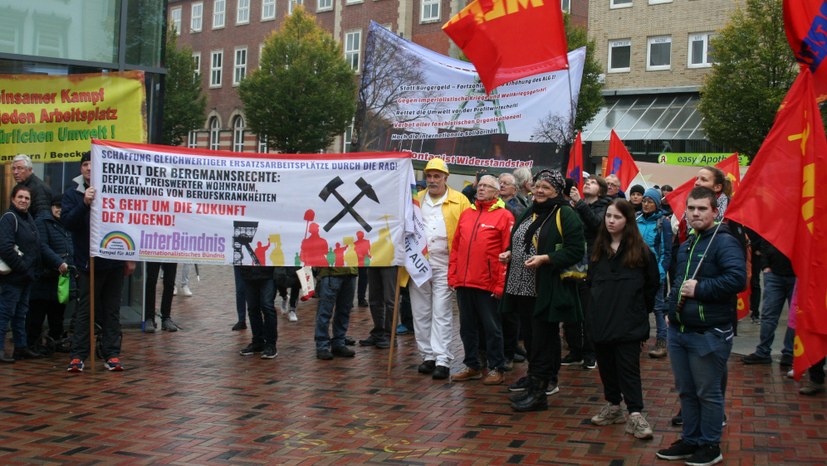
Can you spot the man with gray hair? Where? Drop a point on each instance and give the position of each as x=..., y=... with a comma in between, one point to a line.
x=21, y=168
x=508, y=193
x=525, y=181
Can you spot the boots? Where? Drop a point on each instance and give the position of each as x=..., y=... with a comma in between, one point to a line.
x=535, y=398
x=659, y=351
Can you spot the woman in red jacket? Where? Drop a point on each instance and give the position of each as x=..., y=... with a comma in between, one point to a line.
x=483, y=232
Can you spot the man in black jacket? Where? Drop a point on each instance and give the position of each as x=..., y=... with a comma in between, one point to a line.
x=41, y=194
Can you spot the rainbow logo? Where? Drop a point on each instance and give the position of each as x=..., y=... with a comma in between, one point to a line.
x=119, y=241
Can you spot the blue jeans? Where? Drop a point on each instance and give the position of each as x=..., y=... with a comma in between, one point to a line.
x=777, y=289
x=334, y=292
x=699, y=364
x=14, y=305
x=477, y=308
x=661, y=310
x=261, y=310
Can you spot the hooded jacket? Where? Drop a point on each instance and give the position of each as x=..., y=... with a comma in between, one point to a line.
x=657, y=233
x=19, y=229
x=483, y=232
x=721, y=277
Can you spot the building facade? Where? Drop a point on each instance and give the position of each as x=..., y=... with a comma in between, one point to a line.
x=227, y=37
x=655, y=54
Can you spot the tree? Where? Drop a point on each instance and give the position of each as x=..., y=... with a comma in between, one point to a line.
x=184, y=104
x=304, y=94
x=754, y=67
x=553, y=128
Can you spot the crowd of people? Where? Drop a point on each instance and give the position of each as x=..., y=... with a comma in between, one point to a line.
x=522, y=254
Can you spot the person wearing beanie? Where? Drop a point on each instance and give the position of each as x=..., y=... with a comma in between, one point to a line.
x=657, y=232
x=636, y=196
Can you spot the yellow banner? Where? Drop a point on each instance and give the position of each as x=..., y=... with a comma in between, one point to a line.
x=55, y=118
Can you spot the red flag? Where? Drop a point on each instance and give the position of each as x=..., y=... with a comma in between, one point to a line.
x=508, y=40
x=677, y=198
x=575, y=168
x=805, y=22
x=732, y=169
x=780, y=199
x=620, y=162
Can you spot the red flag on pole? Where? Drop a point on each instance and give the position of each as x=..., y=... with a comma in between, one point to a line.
x=575, y=168
x=508, y=40
x=677, y=198
x=620, y=162
x=781, y=200
x=731, y=167
x=805, y=22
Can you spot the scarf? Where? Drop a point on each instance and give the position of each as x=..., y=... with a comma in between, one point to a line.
x=541, y=211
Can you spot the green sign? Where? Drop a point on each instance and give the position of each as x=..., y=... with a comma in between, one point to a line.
x=698, y=159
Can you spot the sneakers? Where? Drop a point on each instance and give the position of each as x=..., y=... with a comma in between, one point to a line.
x=677, y=451
x=677, y=420
x=168, y=325
x=402, y=329
x=786, y=360
x=705, y=455
x=240, y=326
x=251, y=349
x=659, y=351
x=811, y=388
x=754, y=358
x=369, y=341
x=185, y=291
x=174, y=291
x=571, y=360
x=75, y=365
x=269, y=352
x=113, y=364
x=149, y=326
x=494, y=377
x=609, y=414
x=324, y=354
x=284, y=307
x=519, y=386
x=467, y=374
x=292, y=317
x=589, y=362
x=343, y=352
x=638, y=426
x=552, y=389
x=382, y=344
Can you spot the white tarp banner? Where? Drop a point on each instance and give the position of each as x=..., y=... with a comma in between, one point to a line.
x=172, y=204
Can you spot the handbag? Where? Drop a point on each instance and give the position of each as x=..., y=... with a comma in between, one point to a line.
x=579, y=270
x=63, y=285
x=5, y=269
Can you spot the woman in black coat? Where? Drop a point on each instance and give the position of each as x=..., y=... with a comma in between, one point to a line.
x=20, y=249
x=624, y=279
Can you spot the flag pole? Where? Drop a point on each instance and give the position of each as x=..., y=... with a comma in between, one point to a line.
x=399, y=272
x=92, y=312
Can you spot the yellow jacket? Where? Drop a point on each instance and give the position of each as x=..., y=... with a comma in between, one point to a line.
x=454, y=204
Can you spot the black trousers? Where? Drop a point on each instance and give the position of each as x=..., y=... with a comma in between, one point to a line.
x=517, y=323
x=108, y=289
x=546, y=345
x=40, y=309
x=619, y=365
x=153, y=269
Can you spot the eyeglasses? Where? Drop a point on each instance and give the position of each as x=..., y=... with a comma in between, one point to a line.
x=487, y=186
x=615, y=185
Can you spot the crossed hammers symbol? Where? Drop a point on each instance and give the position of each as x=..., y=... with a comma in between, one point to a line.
x=365, y=189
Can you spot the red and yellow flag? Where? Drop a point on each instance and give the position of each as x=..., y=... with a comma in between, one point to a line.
x=620, y=162
x=780, y=199
x=805, y=22
x=508, y=40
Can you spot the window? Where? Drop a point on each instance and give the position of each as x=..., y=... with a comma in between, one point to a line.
x=238, y=134
x=260, y=54
x=240, y=66
x=430, y=11
x=268, y=9
x=215, y=134
x=175, y=19
x=242, y=12
x=197, y=17
x=700, y=50
x=620, y=3
x=291, y=3
x=218, y=13
x=192, y=139
x=324, y=5
x=353, y=41
x=350, y=2
x=216, y=64
x=659, y=53
x=347, y=138
x=262, y=145
x=196, y=66
x=565, y=5
x=620, y=53
x=655, y=2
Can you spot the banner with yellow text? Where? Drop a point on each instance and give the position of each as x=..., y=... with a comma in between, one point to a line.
x=172, y=204
x=55, y=118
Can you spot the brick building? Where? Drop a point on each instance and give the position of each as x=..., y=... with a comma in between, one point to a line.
x=655, y=54
x=227, y=37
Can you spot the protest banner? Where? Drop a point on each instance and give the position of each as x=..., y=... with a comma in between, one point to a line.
x=173, y=204
x=54, y=118
x=415, y=100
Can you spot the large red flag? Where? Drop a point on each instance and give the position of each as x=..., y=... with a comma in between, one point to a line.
x=508, y=40
x=677, y=198
x=731, y=167
x=805, y=22
x=620, y=162
x=575, y=168
x=780, y=199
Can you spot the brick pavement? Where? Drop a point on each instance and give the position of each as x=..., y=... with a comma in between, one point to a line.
x=189, y=398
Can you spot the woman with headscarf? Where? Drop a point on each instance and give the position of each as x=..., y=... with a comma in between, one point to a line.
x=547, y=238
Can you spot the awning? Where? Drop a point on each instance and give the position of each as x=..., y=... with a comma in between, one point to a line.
x=648, y=117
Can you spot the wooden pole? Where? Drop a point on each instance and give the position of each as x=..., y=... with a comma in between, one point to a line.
x=92, y=313
x=399, y=274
